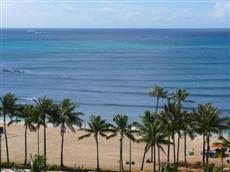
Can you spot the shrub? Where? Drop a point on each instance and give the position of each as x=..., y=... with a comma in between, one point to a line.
x=168, y=168
x=53, y=168
x=37, y=163
x=213, y=168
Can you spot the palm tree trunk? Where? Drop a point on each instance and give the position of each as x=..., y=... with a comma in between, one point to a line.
x=121, y=154
x=154, y=158
x=25, y=161
x=143, y=160
x=0, y=149
x=38, y=140
x=151, y=156
x=178, y=149
x=6, y=140
x=130, y=155
x=98, y=163
x=157, y=104
x=208, y=146
x=62, y=148
x=185, y=149
x=159, y=158
x=44, y=145
x=174, y=149
x=153, y=146
x=168, y=154
x=203, y=153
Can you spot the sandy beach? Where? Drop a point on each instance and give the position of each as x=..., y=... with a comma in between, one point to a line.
x=83, y=152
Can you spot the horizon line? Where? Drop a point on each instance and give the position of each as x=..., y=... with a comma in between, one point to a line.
x=114, y=28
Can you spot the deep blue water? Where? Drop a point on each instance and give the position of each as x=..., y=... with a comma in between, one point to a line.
x=109, y=71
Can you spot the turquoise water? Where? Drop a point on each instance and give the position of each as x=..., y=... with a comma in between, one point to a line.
x=109, y=71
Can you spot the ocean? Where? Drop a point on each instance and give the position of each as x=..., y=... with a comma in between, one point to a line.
x=110, y=71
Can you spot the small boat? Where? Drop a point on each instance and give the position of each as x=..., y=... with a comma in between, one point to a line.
x=31, y=31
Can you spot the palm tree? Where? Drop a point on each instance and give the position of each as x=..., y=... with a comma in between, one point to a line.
x=157, y=92
x=147, y=118
x=38, y=121
x=8, y=108
x=25, y=113
x=188, y=123
x=65, y=116
x=152, y=135
x=28, y=118
x=97, y=126
x=208, y=121
x=172, y=121
x=44, y=109
x=166, y=121
x=123, y=128
x=178, y=130
x=180, y=95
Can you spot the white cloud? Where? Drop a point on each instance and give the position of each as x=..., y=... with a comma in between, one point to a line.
x=109, y=14
x=221, y=9
x=104, y=9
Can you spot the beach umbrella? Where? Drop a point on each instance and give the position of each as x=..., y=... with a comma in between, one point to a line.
x=216, y=145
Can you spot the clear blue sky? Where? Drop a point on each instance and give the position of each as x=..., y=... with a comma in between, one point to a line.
x=115, y=13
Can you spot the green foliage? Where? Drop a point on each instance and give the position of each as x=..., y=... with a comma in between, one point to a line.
x=148, y=117
x=17, y=164
x=158, y=92
x=53, y=168
x=37, y=163
x=180, y=95
x=97, y=126
x=208, y=119
x=152, y=134
x=64, y=114
x=171, y=118
x=169, y=168
x=213, y=168
x=8, y=104
x=44, y=108
x=26, y=114
x=121, y=127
